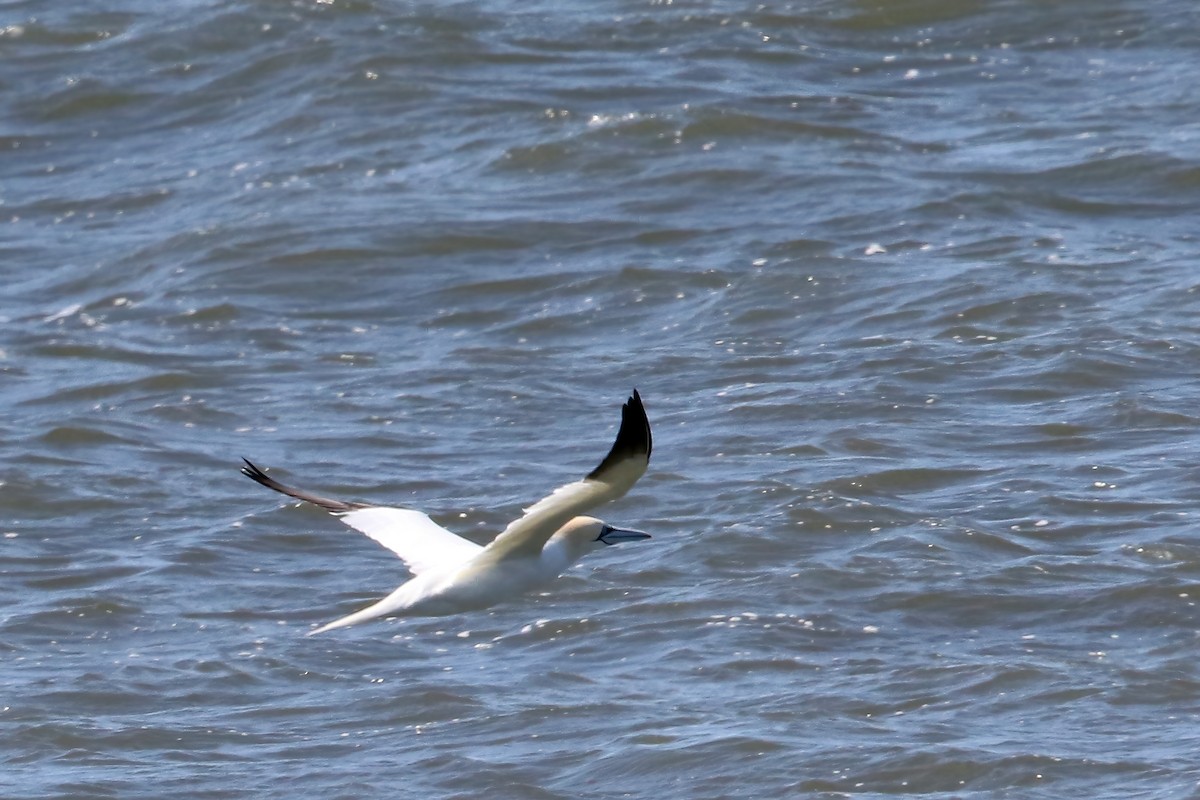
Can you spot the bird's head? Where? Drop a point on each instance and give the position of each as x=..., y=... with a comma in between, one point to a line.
x=584, y=534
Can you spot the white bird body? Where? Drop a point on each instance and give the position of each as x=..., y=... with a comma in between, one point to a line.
x=452, y=575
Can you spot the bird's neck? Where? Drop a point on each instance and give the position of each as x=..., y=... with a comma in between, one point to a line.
x=560, y=553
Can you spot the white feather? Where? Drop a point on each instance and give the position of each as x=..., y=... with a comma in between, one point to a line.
x=420, y=542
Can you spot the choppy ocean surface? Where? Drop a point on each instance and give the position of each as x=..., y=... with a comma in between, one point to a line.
x=909, y=288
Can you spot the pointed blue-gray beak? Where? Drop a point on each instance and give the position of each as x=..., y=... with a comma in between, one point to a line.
x=611, y=535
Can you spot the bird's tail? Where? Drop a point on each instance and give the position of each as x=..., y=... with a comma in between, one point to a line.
x=349, y=619
x=387, y=605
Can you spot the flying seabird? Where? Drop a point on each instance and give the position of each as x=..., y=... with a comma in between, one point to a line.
x=452, y=574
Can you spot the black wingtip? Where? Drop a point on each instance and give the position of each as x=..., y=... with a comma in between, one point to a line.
x=633, y=437
x=251, y=471
x=637, y=399
x=256, y=474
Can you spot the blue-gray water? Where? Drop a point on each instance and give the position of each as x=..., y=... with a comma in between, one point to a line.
x=910, y=290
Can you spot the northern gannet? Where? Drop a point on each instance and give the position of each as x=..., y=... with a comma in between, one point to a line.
x=451, y=574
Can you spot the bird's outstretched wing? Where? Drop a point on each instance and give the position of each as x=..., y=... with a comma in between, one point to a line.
x=420, y=542
x=620, y=469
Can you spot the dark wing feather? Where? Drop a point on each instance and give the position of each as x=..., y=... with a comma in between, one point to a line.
x=633, y=437
x=327, y=503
